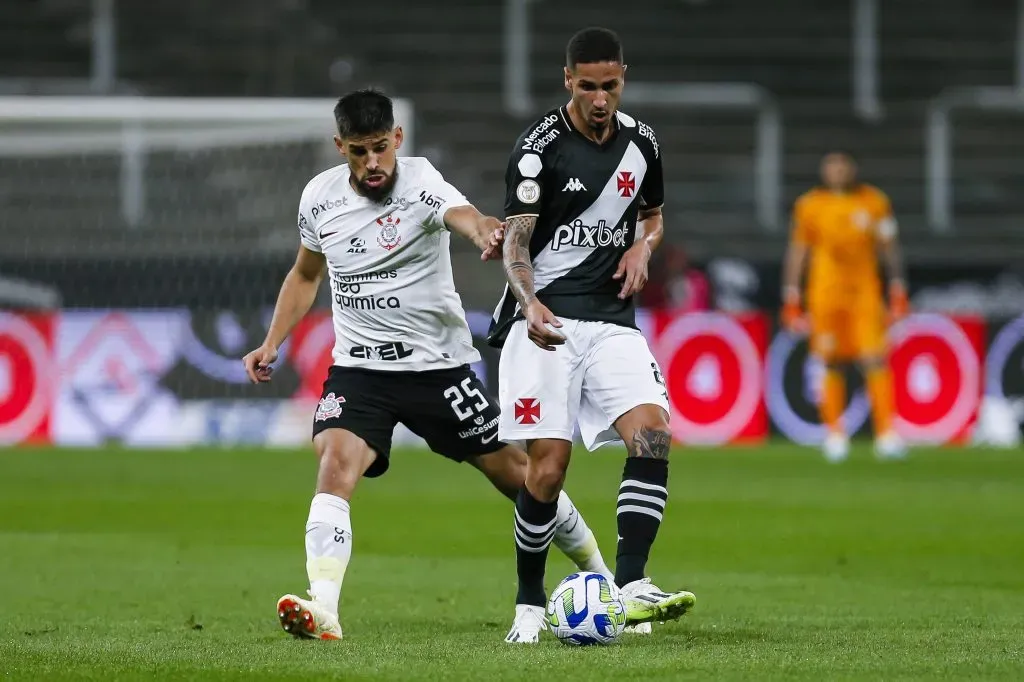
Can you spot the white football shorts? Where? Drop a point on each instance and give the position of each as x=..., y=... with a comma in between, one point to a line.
x=602, y=371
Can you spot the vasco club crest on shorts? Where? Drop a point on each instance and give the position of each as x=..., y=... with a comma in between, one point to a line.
x=527, y=411
x=389, y=237
x=329, y=407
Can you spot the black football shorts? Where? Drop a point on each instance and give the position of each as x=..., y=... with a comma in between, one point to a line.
x=448, y=408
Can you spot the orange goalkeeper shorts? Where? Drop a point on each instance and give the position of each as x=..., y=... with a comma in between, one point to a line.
x=851, y=332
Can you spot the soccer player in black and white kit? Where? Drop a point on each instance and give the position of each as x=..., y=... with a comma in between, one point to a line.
x=584, y=193
x=380, y=226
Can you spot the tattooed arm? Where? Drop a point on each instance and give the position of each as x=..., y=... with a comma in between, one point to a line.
x=519, y=271
x=516, y=256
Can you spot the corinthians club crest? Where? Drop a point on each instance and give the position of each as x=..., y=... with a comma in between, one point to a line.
x=329, y=407
x=389, y=237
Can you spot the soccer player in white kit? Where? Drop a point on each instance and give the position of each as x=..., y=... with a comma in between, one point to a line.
x=380, y=226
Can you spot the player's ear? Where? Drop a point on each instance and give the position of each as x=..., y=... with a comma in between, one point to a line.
x=340, y=144
x=568, y=79
x=399, y=136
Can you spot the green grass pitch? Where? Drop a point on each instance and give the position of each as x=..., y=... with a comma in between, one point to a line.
x=132, y=565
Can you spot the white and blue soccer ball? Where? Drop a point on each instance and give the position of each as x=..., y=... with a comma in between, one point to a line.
x=586, y=608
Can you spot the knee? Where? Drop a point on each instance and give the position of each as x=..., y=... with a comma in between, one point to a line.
x=657, y=420
x=342, y=464
x=546, y=475
x=545, y=483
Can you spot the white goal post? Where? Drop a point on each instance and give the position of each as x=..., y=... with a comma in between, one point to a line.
x=117, y=150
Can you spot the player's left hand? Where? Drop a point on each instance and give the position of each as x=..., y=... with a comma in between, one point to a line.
x=494, y=244
x=899, y=302
x=632, y=269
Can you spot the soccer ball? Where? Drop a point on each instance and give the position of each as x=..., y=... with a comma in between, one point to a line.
x=586, y=608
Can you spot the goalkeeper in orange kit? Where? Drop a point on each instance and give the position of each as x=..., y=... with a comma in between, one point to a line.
x=843, y=227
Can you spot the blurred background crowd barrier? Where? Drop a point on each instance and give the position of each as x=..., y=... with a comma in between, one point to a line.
x=152, y=155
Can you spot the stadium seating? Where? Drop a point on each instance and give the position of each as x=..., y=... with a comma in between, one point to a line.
x=449, y=61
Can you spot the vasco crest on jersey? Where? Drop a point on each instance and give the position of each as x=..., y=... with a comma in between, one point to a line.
x=389, y=237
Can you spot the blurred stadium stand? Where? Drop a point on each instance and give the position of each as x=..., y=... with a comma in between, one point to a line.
x=449, y=62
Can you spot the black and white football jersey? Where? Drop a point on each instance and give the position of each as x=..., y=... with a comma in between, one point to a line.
x=394, y=301
x=586, y=197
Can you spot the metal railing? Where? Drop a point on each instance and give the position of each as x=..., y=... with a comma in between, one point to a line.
x=939, y=143
x=516, y=91
x=732, y=96
x=864, y=63
x=104, y=47
x=1020, y=44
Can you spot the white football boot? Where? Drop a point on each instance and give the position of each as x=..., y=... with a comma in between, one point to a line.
x=639, y=628
x=307, y=619
x=890, y=446
x=646, y=602
x=527, y=626
x=836, y=447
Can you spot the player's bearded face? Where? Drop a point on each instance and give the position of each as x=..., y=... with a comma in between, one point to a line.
x=373, y=162
x=596, y=90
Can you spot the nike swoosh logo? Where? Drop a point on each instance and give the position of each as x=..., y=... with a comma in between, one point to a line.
x=488, y=440
x=325, y=235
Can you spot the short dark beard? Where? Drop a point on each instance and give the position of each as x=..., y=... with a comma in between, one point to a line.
x=378, y=194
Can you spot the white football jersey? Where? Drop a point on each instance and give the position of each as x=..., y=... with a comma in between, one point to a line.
x=393, y=297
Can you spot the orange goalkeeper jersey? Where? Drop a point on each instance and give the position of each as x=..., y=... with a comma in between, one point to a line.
x=842, y=232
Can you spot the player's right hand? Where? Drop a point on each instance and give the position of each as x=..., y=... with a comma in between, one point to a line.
x=494, y=245
x=793, y=319
x=899, y=303
x=257, y=363
x=539, y=323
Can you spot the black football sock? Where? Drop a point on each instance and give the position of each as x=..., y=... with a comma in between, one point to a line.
x=641, y=504
x=534, y=528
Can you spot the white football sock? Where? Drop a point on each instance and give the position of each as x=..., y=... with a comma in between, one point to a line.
x=328, y=548
x=575, y=539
